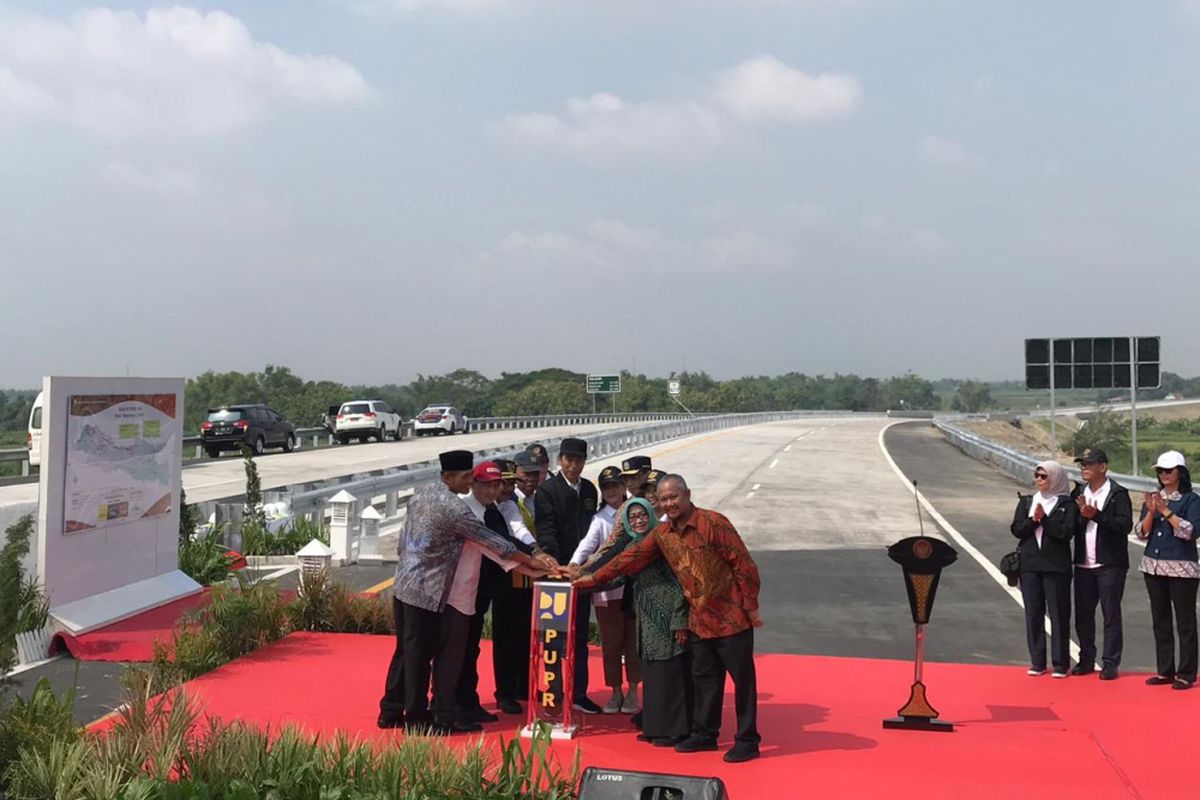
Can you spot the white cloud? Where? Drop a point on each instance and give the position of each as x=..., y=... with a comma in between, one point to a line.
x=604, y=126
x=766, y=89
x=944, y=152
x=171, y=71
x=896, y=238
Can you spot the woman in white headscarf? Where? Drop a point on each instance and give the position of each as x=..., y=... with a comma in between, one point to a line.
x=1045, y=523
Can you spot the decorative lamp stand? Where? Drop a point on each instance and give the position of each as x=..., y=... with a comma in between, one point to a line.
x=922, y=559
x=552, y=660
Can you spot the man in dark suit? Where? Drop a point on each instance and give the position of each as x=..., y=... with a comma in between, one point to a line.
x=1101, y=562
x=563, y=509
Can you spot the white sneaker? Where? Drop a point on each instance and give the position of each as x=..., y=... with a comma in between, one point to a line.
x=1034, y=672
x=630, y=705
x=613, y=706
x=1058, y=674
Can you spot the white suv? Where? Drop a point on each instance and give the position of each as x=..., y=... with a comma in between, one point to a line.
x=440, y=419
x=363, y=419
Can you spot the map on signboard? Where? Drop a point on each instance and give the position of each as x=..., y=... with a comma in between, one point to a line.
x=121, y=454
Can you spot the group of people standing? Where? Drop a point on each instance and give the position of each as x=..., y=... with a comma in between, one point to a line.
x=674, y=588
x=1082, y=534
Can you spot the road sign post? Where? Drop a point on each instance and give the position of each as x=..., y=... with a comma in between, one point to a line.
x=604, y=384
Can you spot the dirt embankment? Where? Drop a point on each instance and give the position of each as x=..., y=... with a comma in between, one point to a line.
x=1030, y=437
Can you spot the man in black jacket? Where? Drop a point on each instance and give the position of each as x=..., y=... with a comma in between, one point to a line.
x=1101, y=562
x=563, y=509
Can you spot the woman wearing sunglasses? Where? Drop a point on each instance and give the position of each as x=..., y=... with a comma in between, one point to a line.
x=1045, y=523
x=1169, y=522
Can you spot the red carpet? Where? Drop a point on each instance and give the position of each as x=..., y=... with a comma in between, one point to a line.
x=1017, y=737
x=130, y=639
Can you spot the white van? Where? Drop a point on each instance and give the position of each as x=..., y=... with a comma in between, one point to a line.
x=33, y=439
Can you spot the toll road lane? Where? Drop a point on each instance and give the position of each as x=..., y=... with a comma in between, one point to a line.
x=978, y=501
x=818, y=527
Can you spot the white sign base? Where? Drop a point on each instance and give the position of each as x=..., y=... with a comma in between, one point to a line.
x=105, y=608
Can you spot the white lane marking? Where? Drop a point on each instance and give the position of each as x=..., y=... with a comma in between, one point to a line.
x=757, y=486
x=749, y=495
x=279, y=573
x=773, y=463
x=789, y=447
x=953, y=533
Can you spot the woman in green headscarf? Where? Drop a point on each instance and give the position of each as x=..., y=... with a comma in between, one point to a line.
x=662, y=621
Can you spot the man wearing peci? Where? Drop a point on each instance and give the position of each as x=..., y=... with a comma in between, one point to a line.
x=1101, y=563
x=563, y=509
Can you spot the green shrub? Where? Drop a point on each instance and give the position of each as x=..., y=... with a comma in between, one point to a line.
x=351, y=612
x=16, y=547
x=34, y=725
x=258, y=541
x=160, y=748
x=238, y=619
x=205, y=559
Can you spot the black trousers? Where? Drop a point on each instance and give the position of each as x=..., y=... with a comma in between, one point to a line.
x=468, y=678
x=422, y=630
x=392, y=702
x=583, y=616
x=667, y=697
x=1179, y=595
x=1048, y=594
x=448, y=664
x=711, y=660
x=1103, y=586
x=511, y=620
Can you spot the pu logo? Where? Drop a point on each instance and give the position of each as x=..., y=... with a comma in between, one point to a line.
x=552, y=605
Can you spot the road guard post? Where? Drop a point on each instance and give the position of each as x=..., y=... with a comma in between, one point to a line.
x=552, y=661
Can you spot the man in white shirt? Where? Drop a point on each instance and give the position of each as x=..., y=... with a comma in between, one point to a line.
x=1101, y=563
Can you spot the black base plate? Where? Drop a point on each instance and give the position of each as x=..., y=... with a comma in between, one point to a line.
x=919, y=724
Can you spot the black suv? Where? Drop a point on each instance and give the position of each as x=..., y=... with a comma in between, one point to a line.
x=229, y=427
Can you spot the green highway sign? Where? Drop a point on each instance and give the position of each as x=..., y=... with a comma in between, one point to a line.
x=604, y=384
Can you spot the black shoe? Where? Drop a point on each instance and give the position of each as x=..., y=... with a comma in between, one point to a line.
x=1109, y=673
x=388, y=721
x=667, y=741
x=464, y=726
x=508, y=706
x=586, y=706
x=1081, y=669
x=479, y=715
x=696, y=744
x=642, y=737
x=1159, y=680
x=1182, y=683
x=741, y=752
x=636, y=720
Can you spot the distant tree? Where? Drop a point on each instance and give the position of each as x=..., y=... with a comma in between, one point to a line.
x=913, y=390
x=1102, y=428
x=971, y=396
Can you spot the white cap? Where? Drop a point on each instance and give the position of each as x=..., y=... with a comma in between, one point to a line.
x=1170, y=460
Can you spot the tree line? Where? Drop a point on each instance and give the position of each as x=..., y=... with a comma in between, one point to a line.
x=560, y=391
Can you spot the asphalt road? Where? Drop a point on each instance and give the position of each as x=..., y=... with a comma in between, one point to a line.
x=817, y=501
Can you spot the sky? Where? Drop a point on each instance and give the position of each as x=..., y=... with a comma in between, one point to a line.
x=365, y=190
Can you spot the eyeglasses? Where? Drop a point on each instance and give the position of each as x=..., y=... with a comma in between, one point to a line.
x=1040, y=476
x=1161, y=470
x=638, y=515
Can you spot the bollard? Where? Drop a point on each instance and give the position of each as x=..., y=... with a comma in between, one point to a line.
x=343, y=529
x=368, y=547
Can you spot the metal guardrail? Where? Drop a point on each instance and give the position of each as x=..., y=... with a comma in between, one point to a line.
x=312, y=499
x=321, y=437
x=1018, y=463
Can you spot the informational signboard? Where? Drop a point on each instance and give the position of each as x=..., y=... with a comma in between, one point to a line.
x=604, y=384
x=551, y=663
x=1093, y=363
x=121, y=451
x=108, y=498
x=673, y=388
